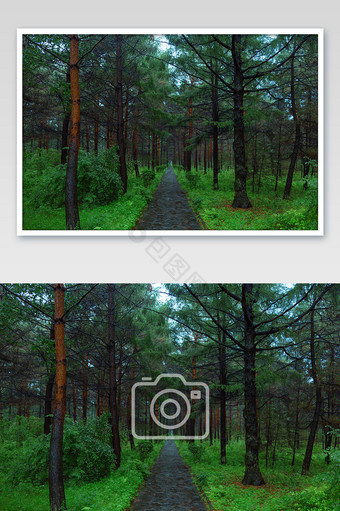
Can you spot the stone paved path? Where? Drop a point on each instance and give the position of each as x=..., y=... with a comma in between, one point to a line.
x=169, y=208
x=169, y=486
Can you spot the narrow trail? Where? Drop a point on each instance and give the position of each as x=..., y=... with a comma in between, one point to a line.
x=169, y=208
x=169, y=486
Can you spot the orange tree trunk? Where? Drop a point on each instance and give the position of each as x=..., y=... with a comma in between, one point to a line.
x=71, y=200
x=56, y=483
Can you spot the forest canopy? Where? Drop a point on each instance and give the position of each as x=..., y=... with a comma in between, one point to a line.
x=235, y=115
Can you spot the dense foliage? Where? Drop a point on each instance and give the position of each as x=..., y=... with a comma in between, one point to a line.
x=24, y=467
x=102, y=205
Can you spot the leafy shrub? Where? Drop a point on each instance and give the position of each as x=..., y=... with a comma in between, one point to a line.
x=144, y=448
x=31, y=461
x=148, y=176
x=196, y=449
x=20, y=429
x=99, y=181
x=193, y=179
x=159, y=168
x=87, y=454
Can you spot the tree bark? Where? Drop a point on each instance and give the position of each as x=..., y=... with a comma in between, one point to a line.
x=253, y=474
x=214, y=99
x=318, y=402
x=64, y=135
x=112, y=373
x=48, y=404
x=85, y=385
x=223, y=401
x=120, y=114
x=296, y=147
x=56, y=483
x=241, y=199
x=71, y=200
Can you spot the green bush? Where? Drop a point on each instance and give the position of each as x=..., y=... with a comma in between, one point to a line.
x=196, y=449
x=144, y=448
x=99, y=181
x=193, y=179
x=148, y=176
x=87, y=454
x=159, y=168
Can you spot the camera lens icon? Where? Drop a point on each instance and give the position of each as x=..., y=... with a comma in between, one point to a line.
x=166, y=415
x=169, y=408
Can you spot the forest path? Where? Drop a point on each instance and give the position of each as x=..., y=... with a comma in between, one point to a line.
x=169, y=208
x=169, y=487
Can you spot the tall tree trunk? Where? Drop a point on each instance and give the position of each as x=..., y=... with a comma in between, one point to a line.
x=85, y=384
x=296, y=147
x=318, y=400
x=64, y=135
x=278, y=163
x=153, y=151
x=112, y=373
x=253, y=474
x=87, y=136
x=120, y=131
x=241, y=199
x=214, y=99
x=211, y=433
x=96, y=126
x=56, y=482
x=74, y=396
x=223, y=401
x=48, y=404
x=296, y=426
x=71, y=200
x=135, y=144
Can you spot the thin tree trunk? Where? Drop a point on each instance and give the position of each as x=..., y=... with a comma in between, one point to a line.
x=48, y=404
x=64, y=135
x=223, y=401
x=296, y=426
x=71, y=200
x=74, y=396
x=56, y=483
x=85, y=384
x=112, y=373
x=296, y=147
x=214, y=98
x=318, y=402
x=120, y=131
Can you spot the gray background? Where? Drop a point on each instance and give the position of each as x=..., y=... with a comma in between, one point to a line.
x=233, y=259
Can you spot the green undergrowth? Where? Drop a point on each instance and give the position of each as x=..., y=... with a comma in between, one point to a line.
x=269, y=211
x=24, y=486
x=285, y=488
x=102, y=206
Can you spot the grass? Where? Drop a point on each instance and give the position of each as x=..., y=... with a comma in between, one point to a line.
x=285, y=488
x=269, y=211
x=120, y=215
x=113, y=493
